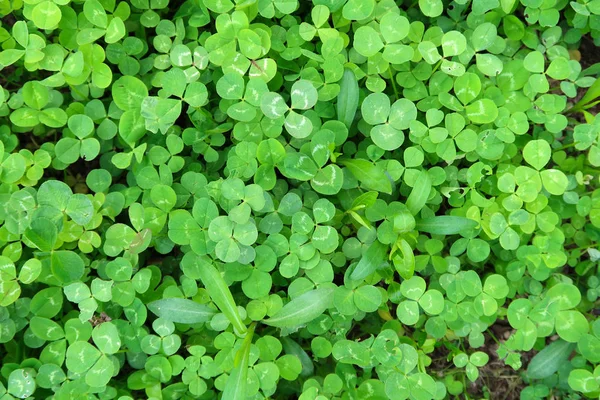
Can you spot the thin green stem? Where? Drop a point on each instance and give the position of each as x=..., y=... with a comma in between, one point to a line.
x=493, y=336
x=594, y=246
x=437, y=66
x=566, y=146
x=464, y=381
x=394, y=85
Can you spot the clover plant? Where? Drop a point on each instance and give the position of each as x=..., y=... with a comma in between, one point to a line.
x=315, y=199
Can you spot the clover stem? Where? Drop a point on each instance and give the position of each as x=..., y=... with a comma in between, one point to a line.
x=466, y=7
x=414, y=3
x=394, y=84
x=584, y=247
x=20, y=353
x=566, y=146
x=464, y=381
x=493, y=336
x=455, y=371
x=591, y=170
x=436, y=66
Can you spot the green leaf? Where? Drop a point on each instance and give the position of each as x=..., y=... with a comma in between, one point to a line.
x=402, y=113
x=549, y=359
x=30, y=271
x=303, y=95
x=374, y=257
x=231, y=86
x=467, y=87
x=55, y=194
x=303, y=308
x=482, y=111
x=328, y=180
x=13, y=168
x=408, y=312
x=129, y=93
x=250, y=43
x=25, y=117
x=554, y=181
x=182, y=311
x=358, y=9
x=571, y=325
x=394, y=27
x=196, y=94
x=46, y=329
x=484, y=36
x=273, y=105
x=164, y=197
x=446, y=225
x=370, y=175
x=81, y=356
x=10, y=56
x=454, y=43
x=591, y=94
x=219, y=6
x=160, y=114
x=286, y=6
x=298, y=166
x=583, y=380
x=46, y=15
x=559, y=69
x=235, y=387
x=347, y=100
x=35, y=95
x=432, y=302
x=419, y=194
x=42, y=233
x=489, y=64
x=100, y=374
x=367, y=41
x=534, y=62
x=80, y=209
x=507, y=5
x=566, y=296
x=94, y=12
x=367, y=298
x=66, y=266
x=406, y=265
x=431, y=8
x=292, y=348
x=115, y=31
x=221, y=295
x=298, y=125
x=537, y=153
x=106, y=338
x=21, y=383
x=375, y=108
